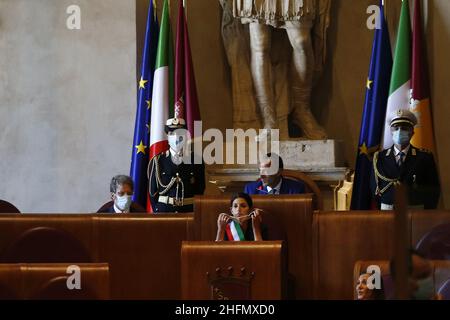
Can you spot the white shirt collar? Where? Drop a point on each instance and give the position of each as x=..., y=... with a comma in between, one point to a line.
x=176, y=158
x=117, y=210
x=277, y=187
x=405, y=151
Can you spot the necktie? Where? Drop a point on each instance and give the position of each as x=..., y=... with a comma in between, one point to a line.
x=401, y=156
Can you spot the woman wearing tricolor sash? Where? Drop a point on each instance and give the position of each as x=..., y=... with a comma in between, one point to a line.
x=243, y=224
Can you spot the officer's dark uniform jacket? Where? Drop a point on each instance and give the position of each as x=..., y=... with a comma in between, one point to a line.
x=172, y=187
x=418, y=172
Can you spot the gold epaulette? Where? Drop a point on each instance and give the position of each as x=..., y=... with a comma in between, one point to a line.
x=425, y=150
x=388, y=152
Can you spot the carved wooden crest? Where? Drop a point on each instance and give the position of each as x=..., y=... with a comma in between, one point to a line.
x=226, y=285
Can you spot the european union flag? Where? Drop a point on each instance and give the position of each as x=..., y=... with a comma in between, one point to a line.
x=141, y=141
x=372, y=124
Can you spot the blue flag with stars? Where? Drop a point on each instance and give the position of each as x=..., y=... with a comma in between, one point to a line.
x=372, y=124
x=140, y=154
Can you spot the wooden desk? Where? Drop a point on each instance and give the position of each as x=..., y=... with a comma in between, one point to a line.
x=232, y=270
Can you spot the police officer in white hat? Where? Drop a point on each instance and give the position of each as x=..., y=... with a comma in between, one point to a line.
x=173, y=181
x=404, y=164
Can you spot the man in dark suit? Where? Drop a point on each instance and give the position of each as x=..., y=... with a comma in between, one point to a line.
x=405, y=164
x=121, y=189
x=273, y=183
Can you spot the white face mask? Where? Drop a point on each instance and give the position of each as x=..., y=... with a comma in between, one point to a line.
x=123, y=203
x=176, y=142
x=401, y=137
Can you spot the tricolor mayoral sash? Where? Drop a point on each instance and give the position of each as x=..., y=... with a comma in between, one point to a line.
x=234, y=231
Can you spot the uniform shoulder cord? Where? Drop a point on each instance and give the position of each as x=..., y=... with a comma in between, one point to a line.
x=155, y=168
x=378, y=175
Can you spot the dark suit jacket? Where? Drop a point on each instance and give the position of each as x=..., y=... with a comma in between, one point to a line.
x=288, y=186
x=418, y=173
x=135, y=207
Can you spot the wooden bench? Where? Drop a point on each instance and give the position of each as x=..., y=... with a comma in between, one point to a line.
x=340, y=239
x=143, y=251
x=49, y=281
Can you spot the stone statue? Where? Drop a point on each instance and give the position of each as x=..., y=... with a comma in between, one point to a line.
x=270, y=82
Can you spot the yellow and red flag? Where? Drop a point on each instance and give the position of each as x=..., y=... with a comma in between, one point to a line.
x=420, y=89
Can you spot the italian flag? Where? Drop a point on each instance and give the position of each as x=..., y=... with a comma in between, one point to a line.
x=399, y=91
x=234, y=231
x=162, y=96
x=420, y=106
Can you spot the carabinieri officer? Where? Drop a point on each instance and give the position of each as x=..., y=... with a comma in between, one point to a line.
x=403, y=163
x=173, y=183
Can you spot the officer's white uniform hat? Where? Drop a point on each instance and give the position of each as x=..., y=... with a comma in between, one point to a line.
x=173, y=124
x=402, y=116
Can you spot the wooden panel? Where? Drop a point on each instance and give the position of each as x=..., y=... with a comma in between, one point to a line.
x=423, y=221
x=27, y=280
x=264, y=259
x=143, y=253
x=79, y=225
x=143, y=250
x=294, y=215
x=10, y=282
x=341, y=239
